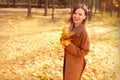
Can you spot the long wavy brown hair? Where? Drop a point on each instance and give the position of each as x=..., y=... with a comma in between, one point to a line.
x=82, y=6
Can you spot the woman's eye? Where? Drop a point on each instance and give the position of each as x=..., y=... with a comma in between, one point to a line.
x=80, y=14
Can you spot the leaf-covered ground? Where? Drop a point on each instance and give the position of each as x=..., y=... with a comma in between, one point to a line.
x=30, y=49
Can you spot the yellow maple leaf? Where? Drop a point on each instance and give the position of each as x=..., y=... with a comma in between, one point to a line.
x=66, y=36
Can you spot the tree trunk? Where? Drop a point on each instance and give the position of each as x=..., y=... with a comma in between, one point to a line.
x=53, y=7
x=72, y=5
x=46, y=7
x=118, y=11
x=29, y=9
x=102, y=7
x=110, y=13
x=14, y=3
x=90, y=9
x=111, y=8
x=39, y=3
x=99, y=5
x=86, y=2
x=7, y=3
x=96, y=6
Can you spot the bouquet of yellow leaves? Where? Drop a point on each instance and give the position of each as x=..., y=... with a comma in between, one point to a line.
x=66, y=36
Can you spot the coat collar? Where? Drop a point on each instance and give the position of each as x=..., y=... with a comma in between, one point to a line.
x=80, y=27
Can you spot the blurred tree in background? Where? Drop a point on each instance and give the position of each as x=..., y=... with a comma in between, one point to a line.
x=29, y=9
x=94, y=6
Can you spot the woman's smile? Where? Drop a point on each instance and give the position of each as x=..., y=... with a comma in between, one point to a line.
x=78, y=16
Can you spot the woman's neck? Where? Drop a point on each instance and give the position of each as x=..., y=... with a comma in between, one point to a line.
x=77, y=25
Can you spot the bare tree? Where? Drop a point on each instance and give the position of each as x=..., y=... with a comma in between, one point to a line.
x=118, y=1
x=14, y=1
x=29, y=9
x=90, y=8
x=111, y=7
x=39, y=3
x=118, y=11
x=96, y=5
x=7, y=2
x=46, y=7
x=53, y=7
x=73, y=3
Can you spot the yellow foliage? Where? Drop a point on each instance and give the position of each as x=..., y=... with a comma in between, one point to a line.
x=29, y=49
x=66, y=36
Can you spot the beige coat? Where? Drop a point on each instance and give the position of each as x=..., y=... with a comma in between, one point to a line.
x=74, y=61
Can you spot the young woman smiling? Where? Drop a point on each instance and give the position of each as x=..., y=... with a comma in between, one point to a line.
x=78, y=48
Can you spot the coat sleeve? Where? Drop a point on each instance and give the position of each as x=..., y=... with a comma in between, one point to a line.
x=84, y=47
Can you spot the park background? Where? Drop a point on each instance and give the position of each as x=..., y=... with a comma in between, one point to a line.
x=30, y=31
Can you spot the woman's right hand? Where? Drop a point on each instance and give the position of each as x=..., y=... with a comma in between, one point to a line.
x=65, y=42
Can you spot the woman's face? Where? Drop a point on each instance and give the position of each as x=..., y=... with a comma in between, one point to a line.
x=78, y=16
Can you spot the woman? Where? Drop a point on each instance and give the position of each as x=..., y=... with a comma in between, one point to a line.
x=75, y=51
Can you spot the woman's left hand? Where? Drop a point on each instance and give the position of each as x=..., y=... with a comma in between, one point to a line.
x=65, y=42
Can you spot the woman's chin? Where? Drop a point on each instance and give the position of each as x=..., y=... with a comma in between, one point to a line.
x=77, y=22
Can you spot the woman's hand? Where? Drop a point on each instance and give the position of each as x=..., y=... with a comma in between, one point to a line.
x=66, y=37
x=65, y=42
